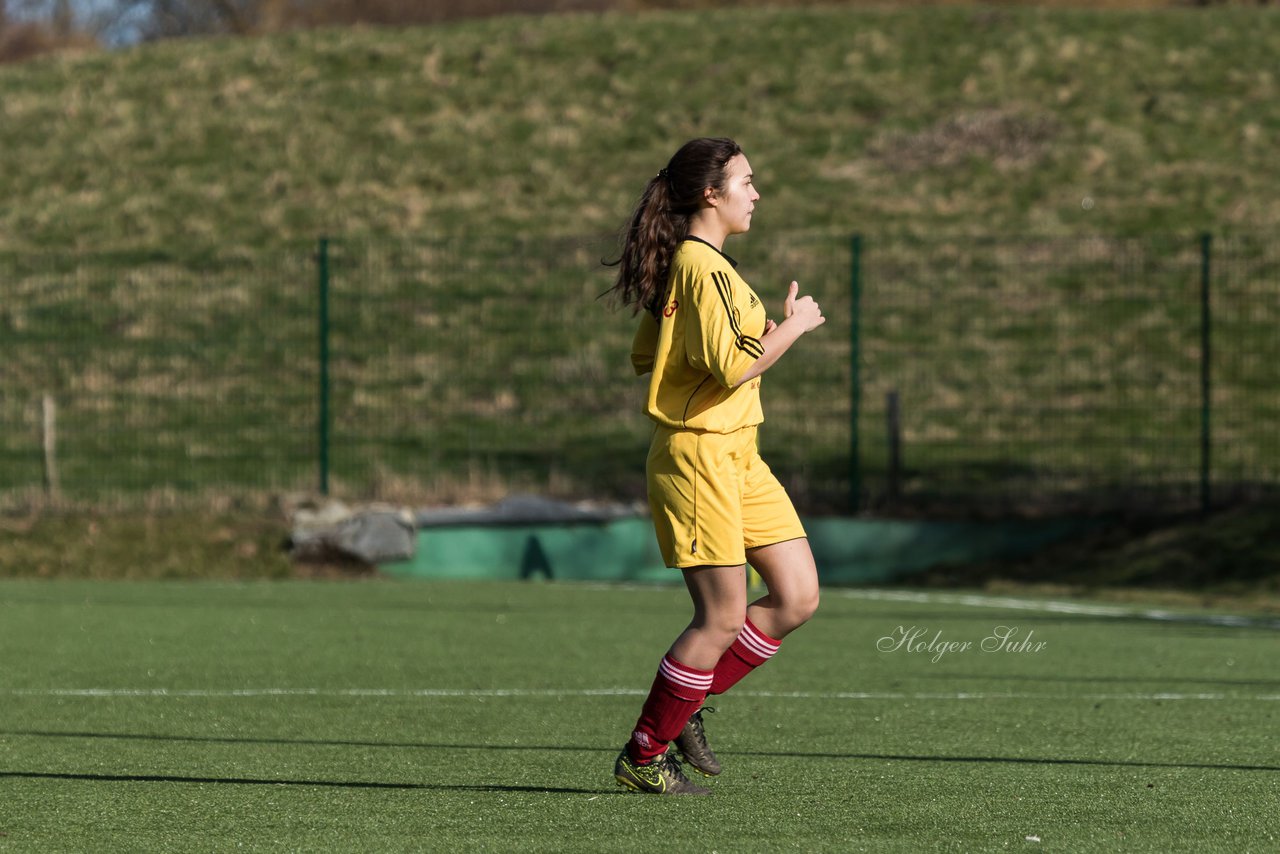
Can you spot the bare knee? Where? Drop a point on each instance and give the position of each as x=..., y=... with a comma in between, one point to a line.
x=810, y=605
x=725, y=629
x=789, y=571
x=797, y=609
x=718, y=628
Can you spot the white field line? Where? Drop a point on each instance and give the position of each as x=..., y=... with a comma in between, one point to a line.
x=466, y=693
x=1050, y=606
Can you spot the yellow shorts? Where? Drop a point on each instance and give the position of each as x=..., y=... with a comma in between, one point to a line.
x=712, y=498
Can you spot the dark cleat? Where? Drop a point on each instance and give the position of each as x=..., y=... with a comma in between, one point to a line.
x=662, y=776
x=693, y=747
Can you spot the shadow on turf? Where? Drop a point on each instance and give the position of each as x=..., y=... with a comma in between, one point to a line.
x=336, y=784
x=896, y=757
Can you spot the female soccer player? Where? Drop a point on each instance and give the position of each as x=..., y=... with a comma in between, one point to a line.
x=716, y=506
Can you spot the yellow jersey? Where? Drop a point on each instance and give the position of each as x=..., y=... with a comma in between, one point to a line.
x=707, y=338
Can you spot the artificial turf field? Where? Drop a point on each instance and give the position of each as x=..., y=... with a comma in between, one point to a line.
x=388, y=716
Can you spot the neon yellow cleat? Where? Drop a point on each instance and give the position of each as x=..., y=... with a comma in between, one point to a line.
x=662, y=776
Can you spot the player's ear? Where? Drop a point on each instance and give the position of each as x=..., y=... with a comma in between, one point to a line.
x=710, y=196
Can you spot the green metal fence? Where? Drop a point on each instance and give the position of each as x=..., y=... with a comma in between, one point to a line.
x=1025, y=375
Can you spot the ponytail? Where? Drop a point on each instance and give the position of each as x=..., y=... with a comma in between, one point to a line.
x=661, y=221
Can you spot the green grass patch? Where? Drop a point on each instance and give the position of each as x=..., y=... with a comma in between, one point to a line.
x=222, y=544
x=401, y=716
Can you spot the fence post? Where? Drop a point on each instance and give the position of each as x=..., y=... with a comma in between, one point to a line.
x=52, y=486
x=1206, y=402
x=893, y=429
x=855, y=360
x=322, y=261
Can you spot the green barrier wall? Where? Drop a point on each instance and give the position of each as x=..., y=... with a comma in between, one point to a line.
x=848, y=551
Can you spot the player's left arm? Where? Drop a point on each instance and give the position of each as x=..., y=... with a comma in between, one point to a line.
x=801, y=315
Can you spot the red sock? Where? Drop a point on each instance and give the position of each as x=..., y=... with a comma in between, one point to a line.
x=750, y=649
x=677, y=692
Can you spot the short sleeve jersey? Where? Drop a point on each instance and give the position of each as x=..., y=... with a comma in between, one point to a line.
x=707, y=337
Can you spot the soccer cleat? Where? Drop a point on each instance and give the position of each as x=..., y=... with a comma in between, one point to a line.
x=662, y=776
x=693, y=747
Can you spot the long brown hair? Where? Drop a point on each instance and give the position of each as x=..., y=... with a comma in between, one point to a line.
x=661, y=220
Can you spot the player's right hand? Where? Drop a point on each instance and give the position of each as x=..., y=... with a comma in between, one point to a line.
x=804, y=309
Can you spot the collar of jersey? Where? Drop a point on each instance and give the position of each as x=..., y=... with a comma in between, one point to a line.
x=732, y=263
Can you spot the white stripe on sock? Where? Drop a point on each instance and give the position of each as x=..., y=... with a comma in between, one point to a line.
x=754, y=641
x=680, y=676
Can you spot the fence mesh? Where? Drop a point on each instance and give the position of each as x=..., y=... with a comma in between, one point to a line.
x=169, y=378
x=1031, y=375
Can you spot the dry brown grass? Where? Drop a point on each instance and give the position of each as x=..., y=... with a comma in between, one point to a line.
x=22, y=41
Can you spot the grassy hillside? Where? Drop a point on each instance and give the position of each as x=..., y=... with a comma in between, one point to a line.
x=912, y=119
x=161, y=207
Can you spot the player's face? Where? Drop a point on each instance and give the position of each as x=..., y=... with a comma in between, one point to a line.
x=737, y=200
